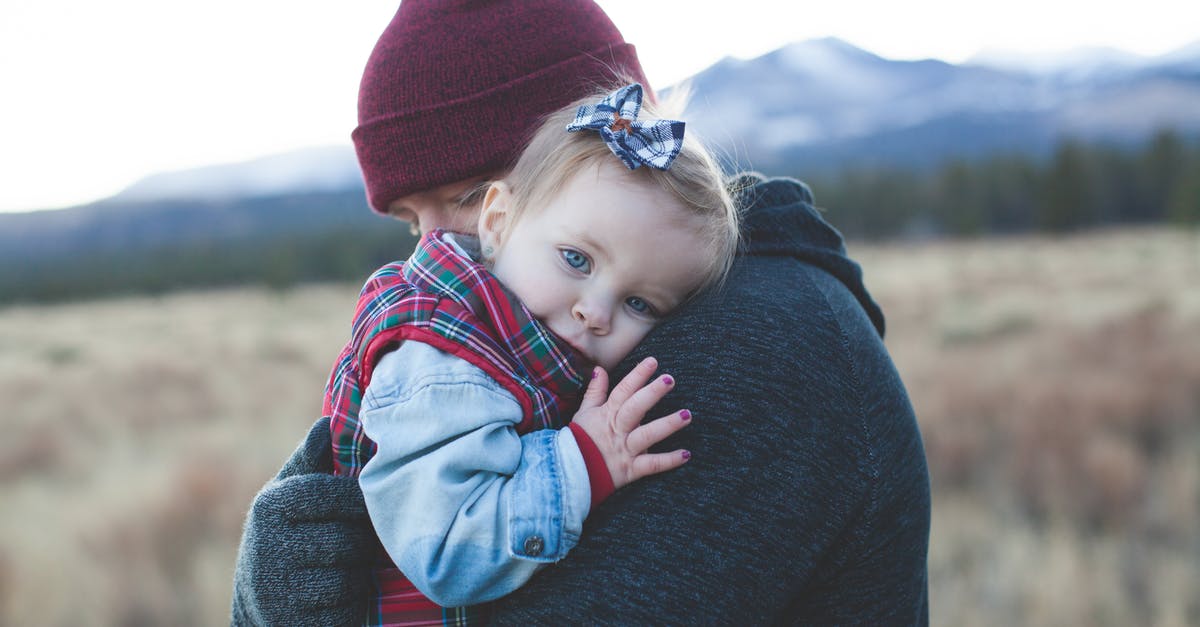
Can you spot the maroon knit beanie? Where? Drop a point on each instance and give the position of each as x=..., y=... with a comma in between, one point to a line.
x=455, y=88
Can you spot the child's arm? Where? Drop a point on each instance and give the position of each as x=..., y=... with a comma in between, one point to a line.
x=466, y=507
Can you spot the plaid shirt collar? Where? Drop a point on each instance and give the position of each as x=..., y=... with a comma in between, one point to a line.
x=438, y=266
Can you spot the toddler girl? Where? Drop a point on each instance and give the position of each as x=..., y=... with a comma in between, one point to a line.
x=456, y=402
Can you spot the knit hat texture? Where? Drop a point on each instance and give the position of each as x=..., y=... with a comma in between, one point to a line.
x=455, y=88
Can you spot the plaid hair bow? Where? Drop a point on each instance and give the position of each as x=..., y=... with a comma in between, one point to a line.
x=652, y=142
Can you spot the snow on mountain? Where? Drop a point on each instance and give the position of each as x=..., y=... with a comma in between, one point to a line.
x=823, y=103
x=846, y=71
x=1076, y=63
x=1186, y=58
x=1133, y=113
x=828, y=90
x=310, y=169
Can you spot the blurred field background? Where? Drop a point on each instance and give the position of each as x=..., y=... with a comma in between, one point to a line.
x=1056, y=379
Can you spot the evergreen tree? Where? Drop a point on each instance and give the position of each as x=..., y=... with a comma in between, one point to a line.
x=957, y=201
x=1161, y=170
x=1068, y=190
x=1183, y=205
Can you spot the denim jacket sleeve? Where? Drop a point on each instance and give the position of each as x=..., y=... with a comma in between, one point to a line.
x=466, y=507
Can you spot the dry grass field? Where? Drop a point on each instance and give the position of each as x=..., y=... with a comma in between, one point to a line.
x=1057, y=382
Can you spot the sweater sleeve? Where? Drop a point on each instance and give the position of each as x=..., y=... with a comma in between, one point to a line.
x=466, y=507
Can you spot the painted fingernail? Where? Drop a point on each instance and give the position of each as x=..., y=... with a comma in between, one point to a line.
x=595, y=372
x=668, y=380
x=685, y=415
x=687, y=455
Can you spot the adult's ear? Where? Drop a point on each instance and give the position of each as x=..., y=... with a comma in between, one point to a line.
x=495, y=217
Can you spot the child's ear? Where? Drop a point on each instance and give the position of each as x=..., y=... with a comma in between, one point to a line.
x=494, y=217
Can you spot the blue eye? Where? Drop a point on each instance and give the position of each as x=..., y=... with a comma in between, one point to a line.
x=576, y=260
x=640, y=306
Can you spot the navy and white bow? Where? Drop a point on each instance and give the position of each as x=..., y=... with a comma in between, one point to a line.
x=652, y=142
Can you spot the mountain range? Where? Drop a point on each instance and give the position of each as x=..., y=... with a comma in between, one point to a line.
x=812, y=107
x=824, y=104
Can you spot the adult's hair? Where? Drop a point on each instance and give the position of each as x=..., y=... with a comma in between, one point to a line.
x=453, y=88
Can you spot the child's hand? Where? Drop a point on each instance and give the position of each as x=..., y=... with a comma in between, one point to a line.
x=615, y=424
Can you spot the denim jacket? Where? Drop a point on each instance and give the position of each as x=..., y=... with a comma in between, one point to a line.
x=466, y=507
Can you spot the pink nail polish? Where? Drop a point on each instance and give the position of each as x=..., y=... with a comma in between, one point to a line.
x=687, y=455
x=668, y=380
x=685, y=415
x=595, y=372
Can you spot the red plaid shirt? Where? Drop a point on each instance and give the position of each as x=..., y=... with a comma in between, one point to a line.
x=453, y=303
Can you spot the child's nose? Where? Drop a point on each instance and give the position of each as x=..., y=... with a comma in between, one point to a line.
x=594, y=316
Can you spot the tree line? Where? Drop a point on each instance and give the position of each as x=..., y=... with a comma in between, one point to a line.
x=1080, y=186
x=289, y=240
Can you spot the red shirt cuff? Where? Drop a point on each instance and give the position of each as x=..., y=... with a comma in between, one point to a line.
x=598, y=475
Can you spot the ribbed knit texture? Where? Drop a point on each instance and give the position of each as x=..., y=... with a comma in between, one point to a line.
x=454, y=89
x=301, y=560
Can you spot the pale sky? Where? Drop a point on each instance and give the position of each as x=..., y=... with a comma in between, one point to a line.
x=96, y=95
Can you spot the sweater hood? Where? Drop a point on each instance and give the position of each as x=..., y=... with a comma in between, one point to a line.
x=779, y=220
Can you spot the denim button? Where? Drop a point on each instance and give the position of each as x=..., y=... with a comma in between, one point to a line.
x=534, y=546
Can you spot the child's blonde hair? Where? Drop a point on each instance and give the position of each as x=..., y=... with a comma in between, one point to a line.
x=554, y=155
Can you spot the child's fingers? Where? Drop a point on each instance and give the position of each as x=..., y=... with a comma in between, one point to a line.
x=633, y=381
x=654, y=463
x=629, y=415
x=597, y=389
x=657, y=430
